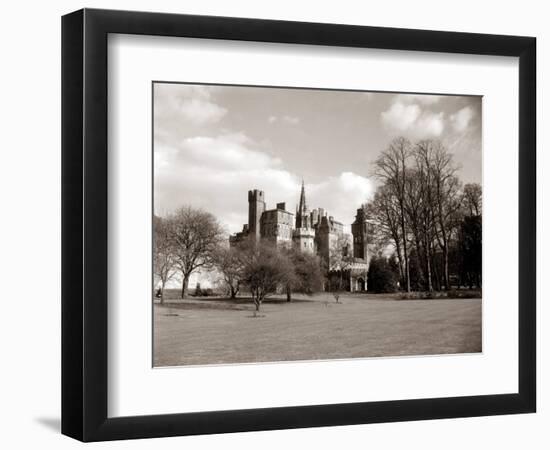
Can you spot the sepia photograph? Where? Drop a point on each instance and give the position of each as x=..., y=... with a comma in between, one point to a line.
x=301, y=224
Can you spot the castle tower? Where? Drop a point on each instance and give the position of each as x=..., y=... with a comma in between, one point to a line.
x=256, y=207
x=315, y=219
x=359, y=229
x=304, y=235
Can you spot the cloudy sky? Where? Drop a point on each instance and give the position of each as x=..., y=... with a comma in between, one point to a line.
x=214, y=143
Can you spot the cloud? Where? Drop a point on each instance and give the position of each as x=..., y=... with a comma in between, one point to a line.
x=461, y=119
x=431, y=124
x=215, y=174
x=401, y=116
x=341, y=195
x=228, y=152
x=290, y=120
x=201, y=111
x=406, y=116
x=186, y=104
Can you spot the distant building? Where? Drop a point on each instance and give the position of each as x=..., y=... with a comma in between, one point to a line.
x=313, y=232
x=362, y=232
x=276, y=225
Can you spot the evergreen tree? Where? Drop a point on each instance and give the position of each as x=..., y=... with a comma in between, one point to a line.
x=381, y=277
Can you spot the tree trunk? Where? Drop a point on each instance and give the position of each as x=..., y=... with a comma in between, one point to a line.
x=184, y=286
x=446, y=268
x=162, y=293
x=402, y=214
x=400, y=260
x=418, y=257
x=288, y=294
x=429, y=268
x=444, y=245
x=233, y=290
x=405, y=253
x=436, y=275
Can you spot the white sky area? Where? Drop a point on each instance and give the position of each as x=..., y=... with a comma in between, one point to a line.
x=214, y=143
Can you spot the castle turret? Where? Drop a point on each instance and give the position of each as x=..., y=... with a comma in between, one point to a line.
x=359, y=229
x=314, y=217
x=256, y=207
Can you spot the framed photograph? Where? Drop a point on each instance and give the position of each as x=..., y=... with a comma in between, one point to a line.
x=272, y=224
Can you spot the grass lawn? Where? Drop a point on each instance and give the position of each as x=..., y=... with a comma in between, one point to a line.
x=218, y=331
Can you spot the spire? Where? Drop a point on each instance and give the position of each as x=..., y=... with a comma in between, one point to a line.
x=303, y=205
x=301, y=213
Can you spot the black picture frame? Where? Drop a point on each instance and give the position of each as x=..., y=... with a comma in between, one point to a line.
x=84, y=224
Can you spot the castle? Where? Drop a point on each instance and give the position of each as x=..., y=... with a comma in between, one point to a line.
x=313, y=232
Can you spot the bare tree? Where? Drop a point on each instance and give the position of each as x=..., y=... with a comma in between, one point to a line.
x=265, y=270
x=391, y=167
x=340, y=260
x=229, y=262
x=426, y=205
x=472, y=198
x=418, y=208
x=413, y=211
x=164, y=266
x=447, y=200
x=384, y=212
x=195, y=236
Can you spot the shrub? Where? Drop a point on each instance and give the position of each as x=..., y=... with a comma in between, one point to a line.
x=198, y=290
x=425, y=295
x=381, y=278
